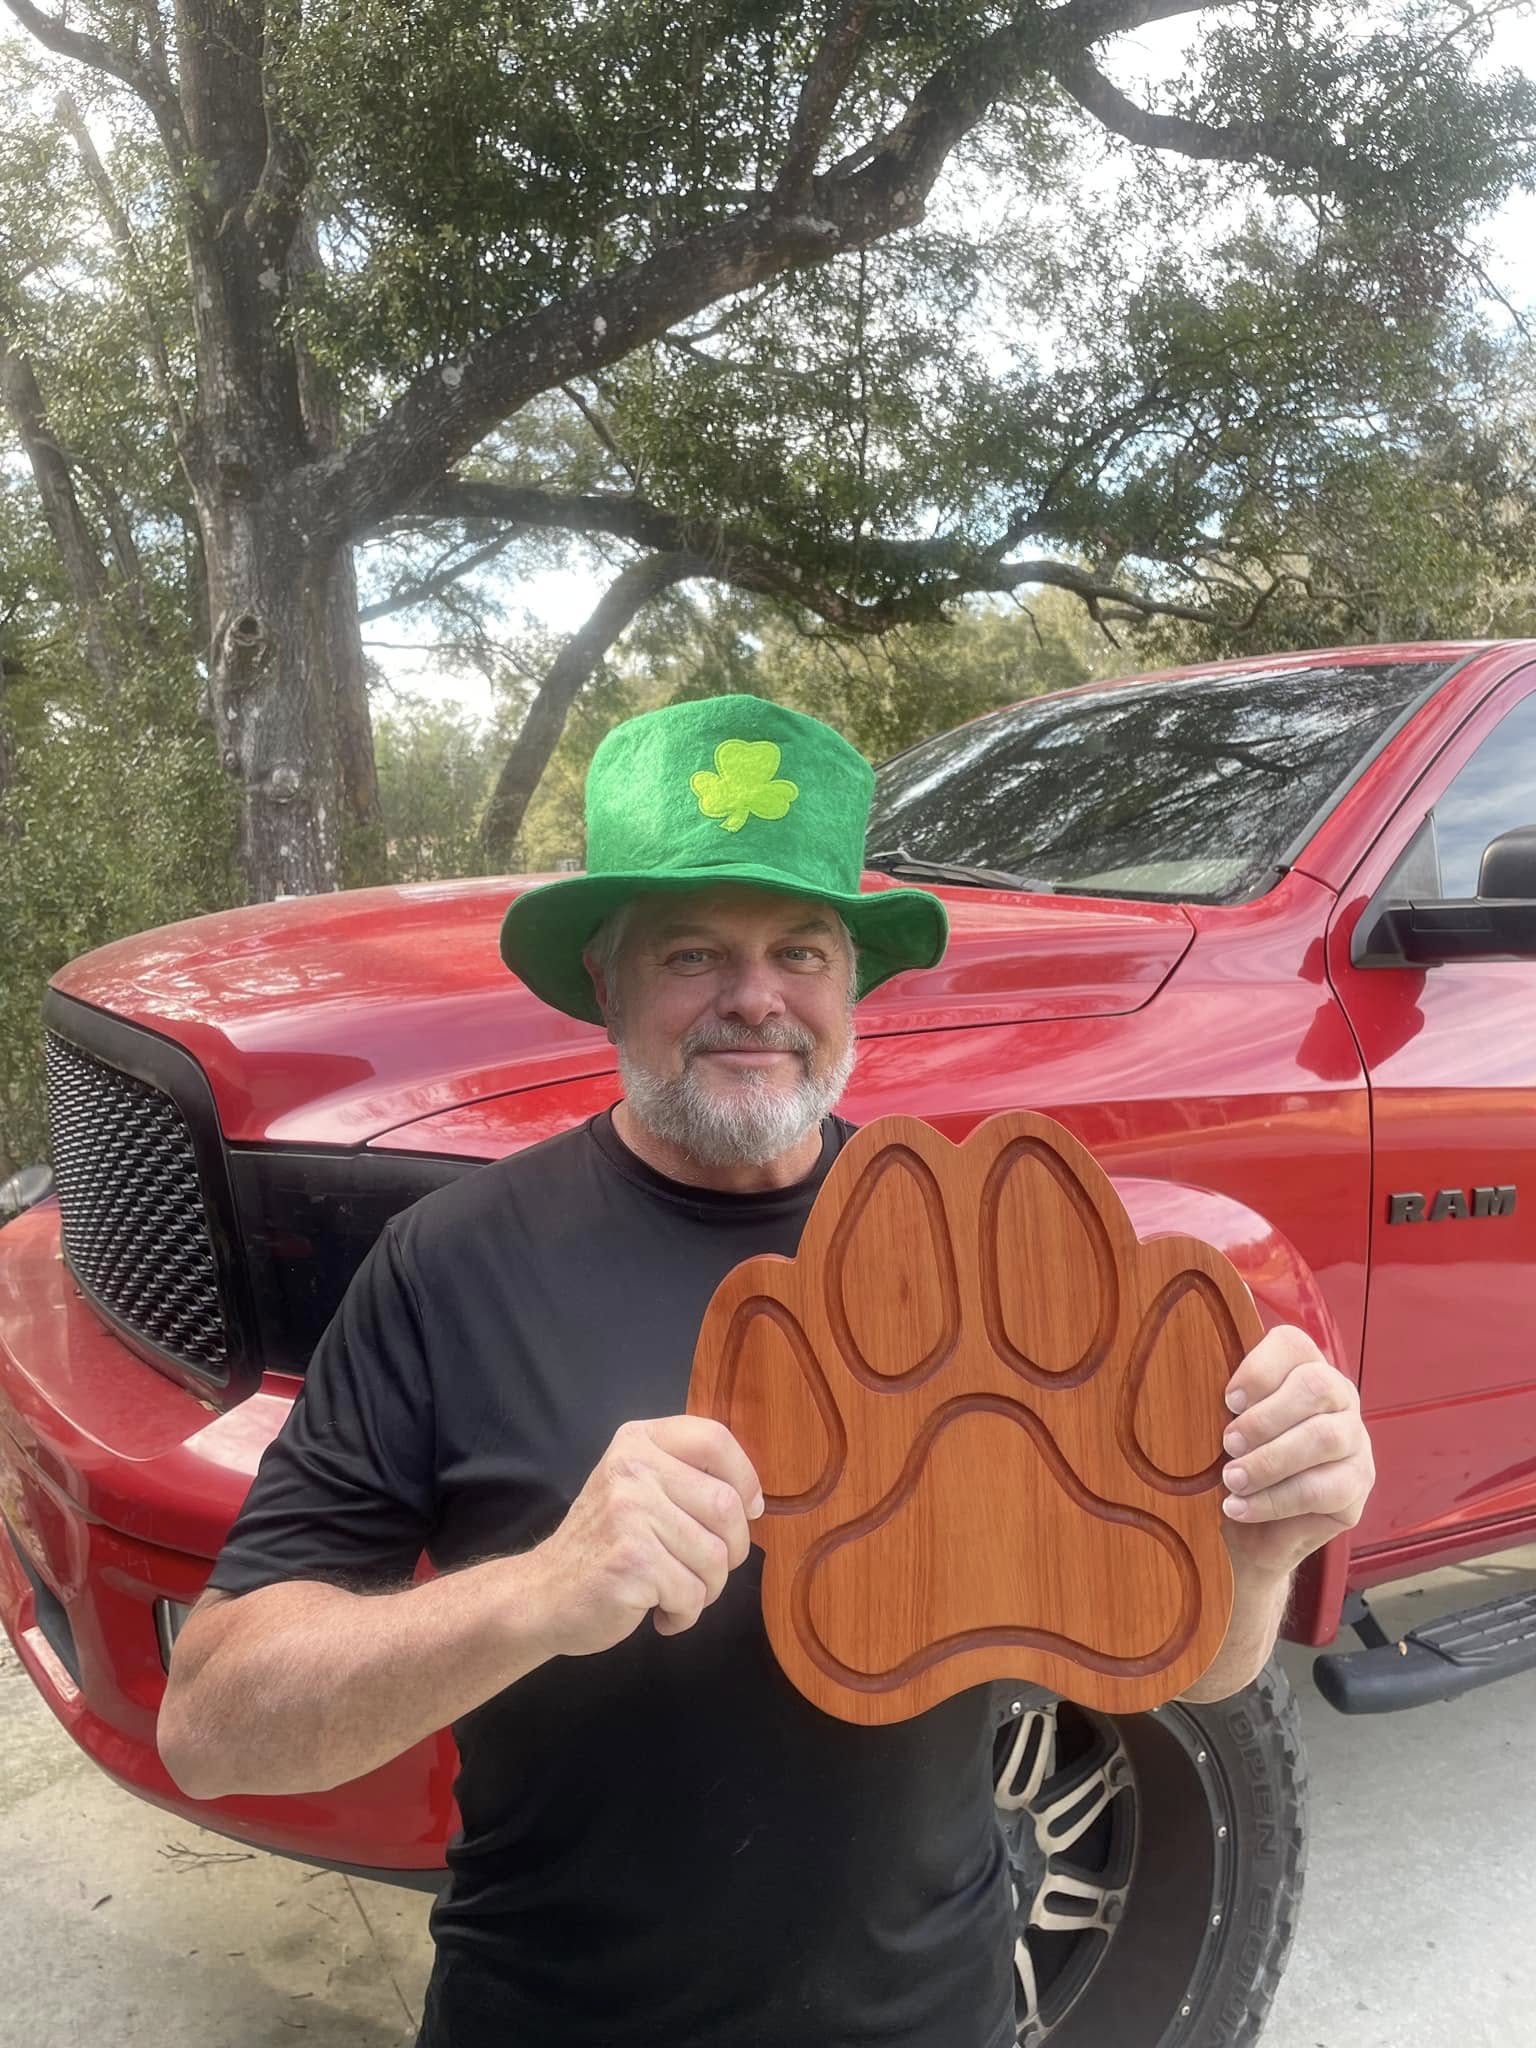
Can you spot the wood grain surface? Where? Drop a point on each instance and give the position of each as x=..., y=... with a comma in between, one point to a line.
x=988, y=1422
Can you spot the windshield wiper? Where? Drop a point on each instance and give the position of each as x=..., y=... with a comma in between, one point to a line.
x=895, y=860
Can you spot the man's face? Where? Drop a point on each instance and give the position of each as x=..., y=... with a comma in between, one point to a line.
x=732, y=1012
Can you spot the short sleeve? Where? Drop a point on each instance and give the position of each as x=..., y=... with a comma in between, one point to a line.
x=346, y=1491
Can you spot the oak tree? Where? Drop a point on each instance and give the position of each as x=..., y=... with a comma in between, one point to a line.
x=824, y=300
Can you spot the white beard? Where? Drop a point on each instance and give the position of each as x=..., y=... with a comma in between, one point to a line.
x=753, y=1121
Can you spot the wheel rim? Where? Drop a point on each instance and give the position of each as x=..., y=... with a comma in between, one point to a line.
x=1066, y=1802
x=1068, y=1786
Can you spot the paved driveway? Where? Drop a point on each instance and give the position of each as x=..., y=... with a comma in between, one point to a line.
x=124, y=1926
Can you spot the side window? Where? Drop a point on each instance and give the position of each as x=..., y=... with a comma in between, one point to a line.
x=1493, y=793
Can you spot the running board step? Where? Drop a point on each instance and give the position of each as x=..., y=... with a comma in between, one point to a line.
x=1454, y=1655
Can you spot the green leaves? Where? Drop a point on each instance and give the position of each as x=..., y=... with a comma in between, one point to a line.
x=744, y=784
x=119, y=819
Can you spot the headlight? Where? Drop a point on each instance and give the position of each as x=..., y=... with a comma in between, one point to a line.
x=24, y=1190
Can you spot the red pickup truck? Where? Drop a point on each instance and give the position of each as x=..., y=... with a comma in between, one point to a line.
x=1262, y=935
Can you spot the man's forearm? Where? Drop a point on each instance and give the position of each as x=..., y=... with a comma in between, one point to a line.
x=1258, y=1608
x=315, y=1686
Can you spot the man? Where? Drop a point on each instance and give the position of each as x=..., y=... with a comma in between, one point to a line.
x=663, y=1842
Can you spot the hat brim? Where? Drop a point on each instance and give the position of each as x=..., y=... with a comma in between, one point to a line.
x=546, y=930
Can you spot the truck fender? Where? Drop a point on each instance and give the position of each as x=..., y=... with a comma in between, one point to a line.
x=1285, y=1290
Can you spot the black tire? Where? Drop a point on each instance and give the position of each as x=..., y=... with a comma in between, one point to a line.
x=1157, y=1863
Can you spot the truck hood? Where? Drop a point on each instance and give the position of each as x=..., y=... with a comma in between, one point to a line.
x=328, y=1020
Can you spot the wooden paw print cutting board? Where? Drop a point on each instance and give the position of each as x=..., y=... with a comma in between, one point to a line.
x=988, y=1421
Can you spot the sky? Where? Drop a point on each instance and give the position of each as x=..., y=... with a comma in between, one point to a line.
x=562, y=599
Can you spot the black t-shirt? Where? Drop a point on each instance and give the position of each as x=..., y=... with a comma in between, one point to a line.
x=665, y=1843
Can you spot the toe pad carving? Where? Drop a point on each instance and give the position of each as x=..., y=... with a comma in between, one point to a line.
x=988, y=1421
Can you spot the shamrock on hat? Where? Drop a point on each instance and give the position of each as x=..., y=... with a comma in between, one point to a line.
x=724, y=789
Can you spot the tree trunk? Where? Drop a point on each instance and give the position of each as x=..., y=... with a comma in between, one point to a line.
x=271, y=605
x=276, y=605
x=364, y=853
x=569, y=673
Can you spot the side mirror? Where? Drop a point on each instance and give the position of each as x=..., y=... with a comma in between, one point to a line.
x=1508, y=867
x=1499, y=923
x=1430, y=934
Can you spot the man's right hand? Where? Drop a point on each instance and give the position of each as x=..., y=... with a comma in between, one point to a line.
x=300, y=1686
x=657, y=1529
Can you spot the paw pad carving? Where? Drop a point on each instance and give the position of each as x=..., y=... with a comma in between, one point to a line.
x=988, y=1422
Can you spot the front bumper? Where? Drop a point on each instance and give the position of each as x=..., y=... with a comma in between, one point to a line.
x=117, y=1488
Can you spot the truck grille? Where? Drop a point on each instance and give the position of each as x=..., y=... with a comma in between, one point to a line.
x=131, y=1206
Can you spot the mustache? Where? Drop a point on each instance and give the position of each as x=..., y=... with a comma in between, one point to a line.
x=724, y=1036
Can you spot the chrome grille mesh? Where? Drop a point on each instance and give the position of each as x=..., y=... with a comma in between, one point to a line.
x=131, y=1206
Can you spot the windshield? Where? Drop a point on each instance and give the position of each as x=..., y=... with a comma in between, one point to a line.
x=1189, y=791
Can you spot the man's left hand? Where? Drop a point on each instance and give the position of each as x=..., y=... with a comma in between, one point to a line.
x=1299, y=1464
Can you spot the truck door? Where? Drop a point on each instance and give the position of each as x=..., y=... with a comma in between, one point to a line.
x=1448, y=1376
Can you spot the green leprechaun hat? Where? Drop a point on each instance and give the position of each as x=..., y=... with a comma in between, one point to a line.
x=727, y=789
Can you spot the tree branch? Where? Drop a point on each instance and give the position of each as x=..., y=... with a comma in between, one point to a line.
x=1475, y=270
x=72, y=536
x=150, y=82
x=1092, y=21
x=94, y=51
x=568, y=675
x=154, y=29
x=1293, y=145
x=448, y=410
x=936, y=572
x=273, y=212
x=824, y=86
x=68, y=116
x=434, y=585
x=109, y=502
x=601, y=429
x=621, y=516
